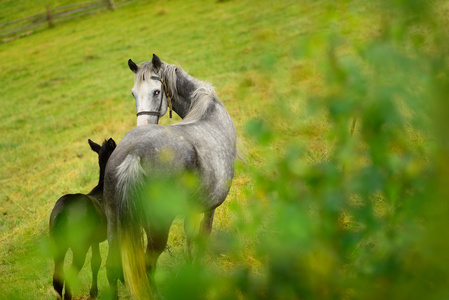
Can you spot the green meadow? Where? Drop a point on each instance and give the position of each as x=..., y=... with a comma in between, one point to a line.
x=340, y=110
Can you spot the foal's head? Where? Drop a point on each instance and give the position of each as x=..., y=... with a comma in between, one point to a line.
x=104, y=152
x=148, y=90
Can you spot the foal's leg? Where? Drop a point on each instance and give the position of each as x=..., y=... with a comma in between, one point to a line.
x=58, y=275
x=79, y=256
x=95, y=265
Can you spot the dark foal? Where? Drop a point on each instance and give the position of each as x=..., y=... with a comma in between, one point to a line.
x=78, y=222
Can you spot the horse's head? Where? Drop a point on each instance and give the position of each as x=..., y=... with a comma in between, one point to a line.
x=149, y=91
x=104, y=151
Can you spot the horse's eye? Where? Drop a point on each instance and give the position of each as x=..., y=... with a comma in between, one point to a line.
x=132, y=94
x=157, y=92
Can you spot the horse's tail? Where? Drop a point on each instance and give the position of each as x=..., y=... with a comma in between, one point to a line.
x=130, y=177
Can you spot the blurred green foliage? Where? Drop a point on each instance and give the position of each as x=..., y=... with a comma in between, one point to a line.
x=367, y=221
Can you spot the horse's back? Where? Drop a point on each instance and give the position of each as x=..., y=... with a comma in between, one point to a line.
x=160, y=148
x=169, y=150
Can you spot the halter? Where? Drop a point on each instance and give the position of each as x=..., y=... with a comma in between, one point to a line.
x=158, y=111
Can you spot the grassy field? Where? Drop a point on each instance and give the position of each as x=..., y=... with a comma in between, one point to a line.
x=272, y=65
x=65, y=85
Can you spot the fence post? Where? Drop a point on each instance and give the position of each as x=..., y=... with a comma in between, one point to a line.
x=50, y=23
x=111, y=4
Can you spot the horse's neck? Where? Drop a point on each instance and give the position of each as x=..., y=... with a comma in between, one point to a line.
x=186, y=86
x=183, y=102
x=215, y=112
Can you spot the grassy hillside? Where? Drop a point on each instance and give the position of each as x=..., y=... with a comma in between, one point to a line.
x=62, y=86
x=293, y=75
x=65, y=85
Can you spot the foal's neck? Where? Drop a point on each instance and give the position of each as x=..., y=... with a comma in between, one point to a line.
x=98, y=190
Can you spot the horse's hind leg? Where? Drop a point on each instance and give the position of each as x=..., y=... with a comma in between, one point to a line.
x=190, y=228
x=190, y=225
x=58, y=275
x=113, y=262
x=206, y=223
x=95, y=265
x=79, y=256
x=157, y=236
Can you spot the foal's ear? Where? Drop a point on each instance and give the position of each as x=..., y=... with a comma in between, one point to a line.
x=132, y=65
x=94, y=146
x=156, y=61
x=111, y=143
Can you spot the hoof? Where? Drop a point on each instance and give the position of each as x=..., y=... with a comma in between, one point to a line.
x=93, y=294
x=57, y=294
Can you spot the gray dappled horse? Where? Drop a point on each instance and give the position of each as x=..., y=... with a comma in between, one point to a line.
x=203, y=143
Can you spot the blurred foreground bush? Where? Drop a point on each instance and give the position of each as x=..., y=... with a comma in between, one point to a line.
x=368, y=220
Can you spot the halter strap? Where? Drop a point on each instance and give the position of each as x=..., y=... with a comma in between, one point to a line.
x=148, y=112
x=164, y=87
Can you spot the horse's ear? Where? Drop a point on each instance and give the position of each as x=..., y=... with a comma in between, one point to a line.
x=132, y=65
x=156, y=61
x=111, y=143
x=94, y=146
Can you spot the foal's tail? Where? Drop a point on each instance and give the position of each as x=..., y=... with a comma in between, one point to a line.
x=130, y=177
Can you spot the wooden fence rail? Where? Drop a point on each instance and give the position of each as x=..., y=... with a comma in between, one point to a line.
x=51, y=16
